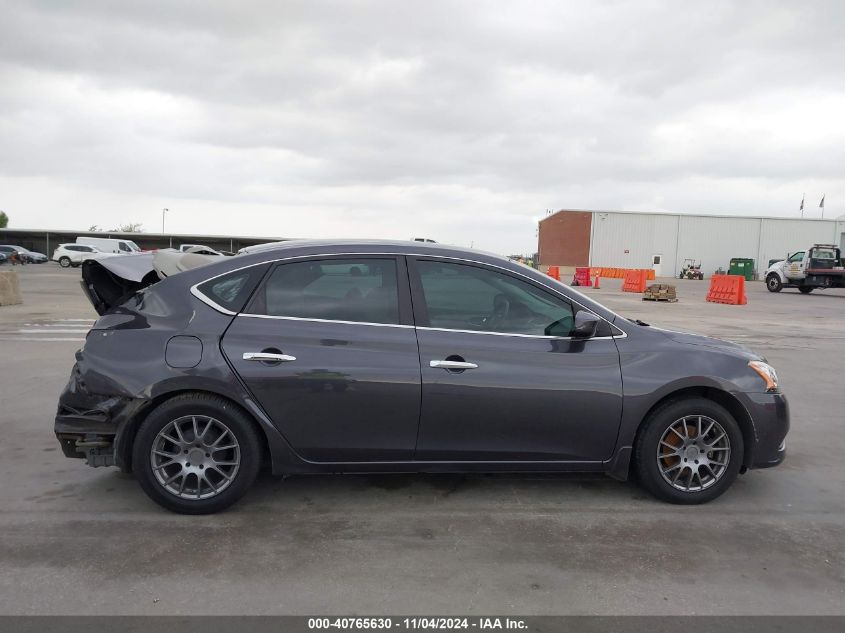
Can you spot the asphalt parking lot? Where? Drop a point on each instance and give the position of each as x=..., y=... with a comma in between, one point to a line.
x=75, y=540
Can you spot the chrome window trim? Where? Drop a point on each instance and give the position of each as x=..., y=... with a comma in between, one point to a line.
x=199, y=295
x=539, y=336
x=316, y=320
x=420, y=327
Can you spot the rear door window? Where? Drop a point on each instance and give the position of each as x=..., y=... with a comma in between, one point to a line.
x=360, y=290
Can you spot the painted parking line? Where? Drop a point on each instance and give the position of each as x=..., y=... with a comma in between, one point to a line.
x=47, y=331
x=40, y=339
x=75, y=325
x=36, y=331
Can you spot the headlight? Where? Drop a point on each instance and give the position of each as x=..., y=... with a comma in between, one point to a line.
x=767, y=373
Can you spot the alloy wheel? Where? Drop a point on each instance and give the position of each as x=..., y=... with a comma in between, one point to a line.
x=693, y=453
x=195, y=457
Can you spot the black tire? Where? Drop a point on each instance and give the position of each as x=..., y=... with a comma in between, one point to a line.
x=646, y=462
x=64, y=261
x=805, y=290
x=195, y=404
x=773, y=283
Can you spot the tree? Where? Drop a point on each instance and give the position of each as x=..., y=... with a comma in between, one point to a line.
x=4, y=220
x=94, y=229
x=132, y=227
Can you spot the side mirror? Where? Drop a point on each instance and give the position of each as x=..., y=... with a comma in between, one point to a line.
x=586, y=325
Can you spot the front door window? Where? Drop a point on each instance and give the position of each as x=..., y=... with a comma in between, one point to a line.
x=464, y=297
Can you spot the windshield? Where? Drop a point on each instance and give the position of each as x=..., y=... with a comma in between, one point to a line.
x=133, y=245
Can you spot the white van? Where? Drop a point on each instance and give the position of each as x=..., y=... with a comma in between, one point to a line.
x=109, y=245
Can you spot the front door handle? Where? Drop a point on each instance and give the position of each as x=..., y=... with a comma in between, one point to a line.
x=452, y=364
x=266, y=357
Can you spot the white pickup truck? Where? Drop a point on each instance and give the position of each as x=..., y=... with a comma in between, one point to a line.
x=820, y=266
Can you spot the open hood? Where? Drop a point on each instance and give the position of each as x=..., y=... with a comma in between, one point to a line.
x=110, y=281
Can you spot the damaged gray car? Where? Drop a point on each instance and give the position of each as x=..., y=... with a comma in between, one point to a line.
x=343, y=357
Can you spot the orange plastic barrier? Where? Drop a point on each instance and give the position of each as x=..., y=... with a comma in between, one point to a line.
x=635, y=281
x=729, y=289
x=618, y=273
x=554, y=272
x=582, y=277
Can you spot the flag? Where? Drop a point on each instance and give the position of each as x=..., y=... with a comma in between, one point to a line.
x=801, y=208
x=821, y=204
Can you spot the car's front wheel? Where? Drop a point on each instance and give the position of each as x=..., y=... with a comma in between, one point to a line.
x=689, y=451
x=196, y=454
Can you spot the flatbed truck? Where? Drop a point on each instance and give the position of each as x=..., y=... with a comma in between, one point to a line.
x=819, y=267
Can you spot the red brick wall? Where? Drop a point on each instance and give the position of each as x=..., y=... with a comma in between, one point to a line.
x=564, y=239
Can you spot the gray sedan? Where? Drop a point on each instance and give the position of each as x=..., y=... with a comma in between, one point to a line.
x=343, y=357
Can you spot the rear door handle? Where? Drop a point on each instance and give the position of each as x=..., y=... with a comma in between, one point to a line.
x=452, y=364
x=267, y=357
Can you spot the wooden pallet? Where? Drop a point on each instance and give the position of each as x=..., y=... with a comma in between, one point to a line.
x=660, y=292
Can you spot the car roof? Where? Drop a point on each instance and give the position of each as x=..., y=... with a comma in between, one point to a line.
x=394, y=246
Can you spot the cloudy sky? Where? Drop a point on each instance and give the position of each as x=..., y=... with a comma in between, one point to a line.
x=459, y=121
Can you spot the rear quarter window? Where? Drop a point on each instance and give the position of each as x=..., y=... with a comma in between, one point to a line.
x=232, y=290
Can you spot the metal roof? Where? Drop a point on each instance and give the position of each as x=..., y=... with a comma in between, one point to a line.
x=702, y=215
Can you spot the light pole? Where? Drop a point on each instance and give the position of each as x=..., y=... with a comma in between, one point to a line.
x=163, y=213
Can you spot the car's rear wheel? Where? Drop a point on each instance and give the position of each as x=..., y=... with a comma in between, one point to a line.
x=689, y=451
x=804, y=290
x=196, y=454
x=64, y=261
x=773, y=283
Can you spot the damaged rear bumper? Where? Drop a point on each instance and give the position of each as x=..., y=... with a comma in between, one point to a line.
x=90, y=426
x=86, y=434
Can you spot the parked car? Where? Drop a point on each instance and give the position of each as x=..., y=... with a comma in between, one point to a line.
x=68, y=255
x=333, y=357
x=110, y=245
x=20, y=254
x=37, y=258
x=32, y=257
x=3, y=258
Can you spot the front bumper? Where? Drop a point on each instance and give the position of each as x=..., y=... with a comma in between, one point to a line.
x=770, y=415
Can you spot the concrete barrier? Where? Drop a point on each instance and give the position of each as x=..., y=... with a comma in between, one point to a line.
x=10, y=289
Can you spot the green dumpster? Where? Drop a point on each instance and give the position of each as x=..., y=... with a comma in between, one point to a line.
x=743, y=267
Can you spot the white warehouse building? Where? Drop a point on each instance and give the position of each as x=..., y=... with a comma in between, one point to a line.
x=662, y=241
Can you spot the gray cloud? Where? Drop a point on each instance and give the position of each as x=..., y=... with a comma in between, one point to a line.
x=461, y=121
